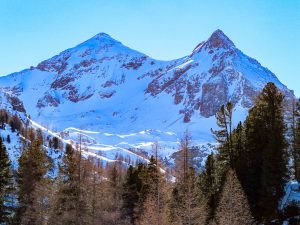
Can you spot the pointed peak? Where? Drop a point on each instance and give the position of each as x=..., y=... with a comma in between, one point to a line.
x=101, y=39
x=102, y=35
x=219, y=40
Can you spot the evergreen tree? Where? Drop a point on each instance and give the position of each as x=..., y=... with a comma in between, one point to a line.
x=207, y=184
x=265, y=168
x=8, y=138
x=6, y=186
x=130, y=195
x=33, y=166
x=233, y=208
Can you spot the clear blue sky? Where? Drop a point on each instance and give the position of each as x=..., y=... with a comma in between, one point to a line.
x=268, y=30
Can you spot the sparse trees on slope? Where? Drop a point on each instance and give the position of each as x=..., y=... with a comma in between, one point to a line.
x=3, y=118
x=233, y=208
x=15, y=123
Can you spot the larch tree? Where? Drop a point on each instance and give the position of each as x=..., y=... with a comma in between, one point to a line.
x=233, y=208
x=67, y=194
x=155, y=204
x=186, y=206
x=224, y=135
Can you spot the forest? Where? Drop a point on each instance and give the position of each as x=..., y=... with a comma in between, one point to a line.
x=243, y=182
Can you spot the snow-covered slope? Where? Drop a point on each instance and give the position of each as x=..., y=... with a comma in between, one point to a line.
x=119, y=98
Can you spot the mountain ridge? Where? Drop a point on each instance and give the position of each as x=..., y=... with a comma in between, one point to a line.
x=102, y=85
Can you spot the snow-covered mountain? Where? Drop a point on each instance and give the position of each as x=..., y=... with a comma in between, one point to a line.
x=119, y=98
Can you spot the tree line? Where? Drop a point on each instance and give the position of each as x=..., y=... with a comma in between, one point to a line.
x=242, y=183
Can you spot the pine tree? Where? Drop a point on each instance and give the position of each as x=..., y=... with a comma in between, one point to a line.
x=130, y=195
x=233, y=208
x=33, y=166
x=264, y=171
x=207, y=185
x=223, y=136
x=6, y=186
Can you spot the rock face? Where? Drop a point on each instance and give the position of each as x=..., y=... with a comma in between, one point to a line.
x=103, y=85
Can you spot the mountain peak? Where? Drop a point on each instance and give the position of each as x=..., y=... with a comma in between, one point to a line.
x=102, y=35
x=219, y=40
x=101, y=39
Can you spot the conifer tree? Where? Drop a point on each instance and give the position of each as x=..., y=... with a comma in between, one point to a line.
x=207, y=185
x=6, y=186
x=233, y=208
x=130, y=195
x=265, y=168
x=33, y=167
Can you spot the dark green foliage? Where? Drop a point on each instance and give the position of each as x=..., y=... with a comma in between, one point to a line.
x=130, y=196
x=6, y=186
x=33, y=166
x=210, y=182
x=207, y=184
x=262, y=166
x=55, y=143
x=139, y=181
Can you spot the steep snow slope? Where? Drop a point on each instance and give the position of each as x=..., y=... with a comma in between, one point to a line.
x=119, y=98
